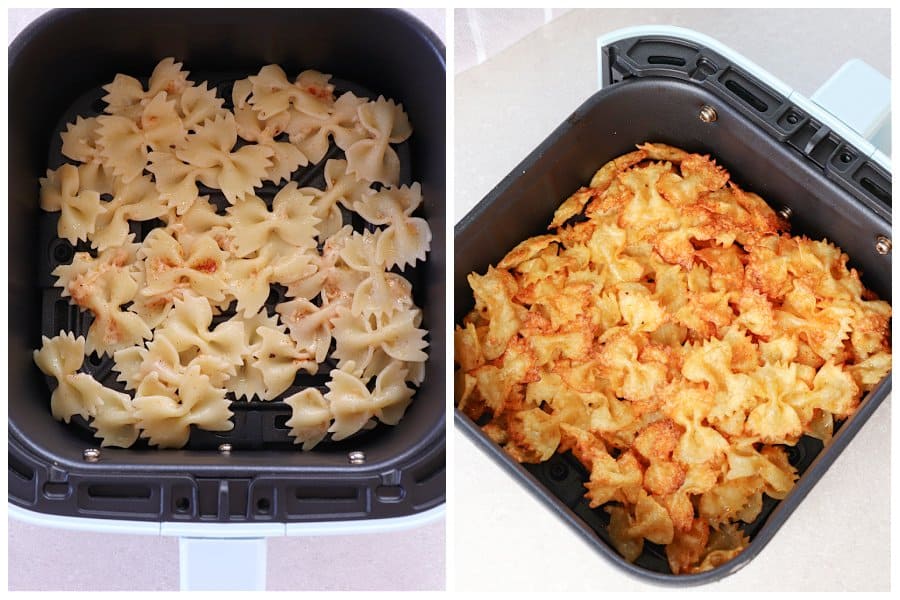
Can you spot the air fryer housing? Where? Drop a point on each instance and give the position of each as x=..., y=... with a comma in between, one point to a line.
x=655, y=86
x=56, y=68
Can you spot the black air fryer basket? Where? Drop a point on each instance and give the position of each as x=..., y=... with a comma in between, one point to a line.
x=654, y=89
x=56, y=68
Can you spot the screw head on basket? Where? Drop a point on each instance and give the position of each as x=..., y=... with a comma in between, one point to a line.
x=357, y=457
x=224, y=448
x=91, y=454
x=883, y=245
x=786, y=213
x=708, y=114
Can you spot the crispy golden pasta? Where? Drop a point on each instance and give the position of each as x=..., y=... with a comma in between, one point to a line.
x=672, y=335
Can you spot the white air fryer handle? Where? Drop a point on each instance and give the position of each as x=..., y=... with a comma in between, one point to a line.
x=860, y=117
x=236, y=564
x=859, y=96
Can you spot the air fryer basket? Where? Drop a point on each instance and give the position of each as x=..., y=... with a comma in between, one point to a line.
x=769, y=146
x=56, y=69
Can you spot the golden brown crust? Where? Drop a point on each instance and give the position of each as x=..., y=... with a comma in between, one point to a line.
x=674, y=338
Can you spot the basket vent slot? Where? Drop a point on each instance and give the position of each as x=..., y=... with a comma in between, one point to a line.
x=20, y=469
x=326, y=494
x=675, y=61
x=876, y=190
x=119, y=491
x=433, y=468
x=745, y=95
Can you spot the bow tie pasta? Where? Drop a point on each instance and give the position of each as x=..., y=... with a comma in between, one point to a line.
x=208, y=287
x=673, y=336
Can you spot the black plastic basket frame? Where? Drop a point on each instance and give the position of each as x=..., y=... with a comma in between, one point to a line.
x=770, y=145
x=396, y=472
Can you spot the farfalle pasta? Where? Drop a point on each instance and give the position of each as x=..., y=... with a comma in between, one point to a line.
x=671, y=334
x=248, y=380
x=178, y=249
x=373, y=158
x=286, y=157
x=311, y=133
x=79, y=206
x=352, y=404
x=125, y=145
x=126, y=96
x=102, y=285
x=169, y=265
x=136, y=200
x=405, y=239
x=112, y=413
x=311, y=417
x=341, y=189
x=165, y=415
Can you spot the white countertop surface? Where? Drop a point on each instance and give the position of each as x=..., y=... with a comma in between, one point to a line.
x=42, y=558
x=504, y=539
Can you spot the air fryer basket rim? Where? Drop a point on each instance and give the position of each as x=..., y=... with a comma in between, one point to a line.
x=260, y=486
x=54, y=14
x=656, y=83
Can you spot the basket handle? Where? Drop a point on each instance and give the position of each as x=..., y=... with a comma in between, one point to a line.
x=222, y=563
x=859, y=96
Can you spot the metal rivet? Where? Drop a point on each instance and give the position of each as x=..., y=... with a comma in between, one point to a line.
x=225, y=449
x=785, y=213
x=91, y=454
x=357, y=457
x=708, y=114
x=883, y=245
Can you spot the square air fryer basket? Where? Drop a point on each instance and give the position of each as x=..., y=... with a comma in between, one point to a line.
x=56, y=68
x=654, y=89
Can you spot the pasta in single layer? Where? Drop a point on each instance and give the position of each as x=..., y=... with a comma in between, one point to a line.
x=112, y=413
x=177, y=245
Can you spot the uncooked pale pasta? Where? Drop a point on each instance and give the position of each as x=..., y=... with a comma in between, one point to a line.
x=372, y=157
x=80, y=394
x=62, y=191
x=183, y=308
x=311, y=133
x=353, y=405
x=360, y=339
x=278, y=359
x=101, y=285
x=248, y=380
x=311, y=417
x=341, y=188
x=286, y=157
x=406, y=239
x=165, y=415
x=309, y=325
x=208, y=156
x=292, y=220
x=133, y=201
x=126, y=95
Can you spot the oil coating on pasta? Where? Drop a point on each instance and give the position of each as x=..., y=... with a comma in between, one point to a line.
x=673, y=336
x=153, y=300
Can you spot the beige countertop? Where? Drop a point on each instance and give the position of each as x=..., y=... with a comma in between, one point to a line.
x=505, y=539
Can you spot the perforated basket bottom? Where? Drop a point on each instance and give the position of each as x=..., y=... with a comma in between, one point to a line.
x=257, y=424
x=564, y=476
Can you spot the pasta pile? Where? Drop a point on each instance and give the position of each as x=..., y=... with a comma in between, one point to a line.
x=183, y=311
x=671, y=335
